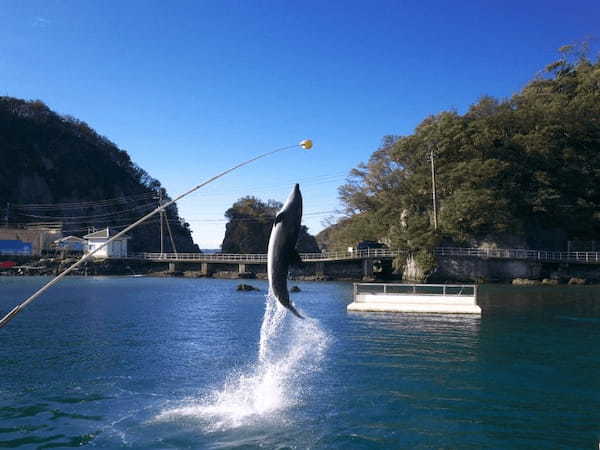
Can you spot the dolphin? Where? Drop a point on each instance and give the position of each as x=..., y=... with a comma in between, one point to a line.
x=282, y=252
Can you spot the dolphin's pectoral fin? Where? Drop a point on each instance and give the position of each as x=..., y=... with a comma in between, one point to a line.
x=278, y=217
x=294, y=258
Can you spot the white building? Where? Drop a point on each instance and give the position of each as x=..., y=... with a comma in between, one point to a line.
x=116, y=249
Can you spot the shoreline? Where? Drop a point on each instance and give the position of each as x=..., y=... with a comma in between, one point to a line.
x=44, y=266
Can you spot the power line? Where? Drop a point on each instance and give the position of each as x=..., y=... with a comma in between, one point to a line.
x=256, y=218
x=320, y=179
x=98, y=222
x=86, y=204
x=75, y=230
x=113, y=213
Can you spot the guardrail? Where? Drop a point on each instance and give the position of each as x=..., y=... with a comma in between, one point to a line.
x=262, y=258
x=206, y=257
x=459, y=290
x=538, y=255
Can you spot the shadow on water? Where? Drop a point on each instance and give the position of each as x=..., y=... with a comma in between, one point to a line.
x=547, y=301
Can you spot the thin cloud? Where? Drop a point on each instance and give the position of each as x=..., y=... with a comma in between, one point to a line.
x=41, y=22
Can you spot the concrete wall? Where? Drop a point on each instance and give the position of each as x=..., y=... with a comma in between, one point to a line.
x=478, y=269
x=352, y=269
x=339, y=270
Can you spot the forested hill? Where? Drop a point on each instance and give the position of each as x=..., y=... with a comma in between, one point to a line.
x=57, y=169
x=523, y=171
x=250, y=224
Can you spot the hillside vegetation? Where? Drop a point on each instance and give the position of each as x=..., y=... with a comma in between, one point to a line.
x=524, y=171
x=57, y=169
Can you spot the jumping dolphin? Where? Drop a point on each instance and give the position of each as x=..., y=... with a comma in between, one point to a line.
x=282, y=243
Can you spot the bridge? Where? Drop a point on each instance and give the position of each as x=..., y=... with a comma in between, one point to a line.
x=357, y=263
x=261, y=258
x=366, y=263
x=379, y=253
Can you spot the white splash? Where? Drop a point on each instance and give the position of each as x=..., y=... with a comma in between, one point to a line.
x=287, y=356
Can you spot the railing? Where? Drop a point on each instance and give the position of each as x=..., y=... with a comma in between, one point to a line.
x=460, y=290
x=535, y=255
x=538, y=255
x=207, y=257
x=262, y=258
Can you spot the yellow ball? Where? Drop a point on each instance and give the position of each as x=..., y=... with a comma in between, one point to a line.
x=306, y=144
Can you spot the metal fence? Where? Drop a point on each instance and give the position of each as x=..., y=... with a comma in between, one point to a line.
x=460, y=290
x=262, y=258
x=538, y=255
x=486, y=253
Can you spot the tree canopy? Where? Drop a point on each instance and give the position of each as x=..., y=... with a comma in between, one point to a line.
x=250, y=224
x=524, y=168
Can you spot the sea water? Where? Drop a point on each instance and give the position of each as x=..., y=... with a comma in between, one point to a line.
x=181, y=363
x=289, y=357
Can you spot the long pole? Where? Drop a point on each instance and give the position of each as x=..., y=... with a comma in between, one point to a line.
x=435, y=221
x=307, y=144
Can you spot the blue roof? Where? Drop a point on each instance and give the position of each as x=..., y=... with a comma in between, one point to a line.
x=15, y=246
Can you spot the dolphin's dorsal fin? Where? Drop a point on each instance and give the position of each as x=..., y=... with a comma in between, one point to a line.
x=278, y=217
x=294, y=258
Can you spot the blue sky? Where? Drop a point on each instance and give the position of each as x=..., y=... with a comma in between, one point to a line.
x=192, y=88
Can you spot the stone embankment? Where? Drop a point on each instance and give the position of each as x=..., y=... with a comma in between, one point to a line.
x=30, y=266
x=549, y=281
x=517, y=272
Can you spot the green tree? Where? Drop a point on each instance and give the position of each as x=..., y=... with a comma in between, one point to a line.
x=250, y=224
x=525, y=167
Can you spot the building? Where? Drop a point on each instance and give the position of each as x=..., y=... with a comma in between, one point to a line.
x=31, y=240
x=15, y=247
x=70, y=244
x=116, y=249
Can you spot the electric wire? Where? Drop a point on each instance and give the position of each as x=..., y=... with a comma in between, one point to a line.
x=113, y=213
x=91, y=203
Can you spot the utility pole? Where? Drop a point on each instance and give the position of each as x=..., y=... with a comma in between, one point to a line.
x=435, y=221
x=170, y=234
x=6, y=217
x=162, y=220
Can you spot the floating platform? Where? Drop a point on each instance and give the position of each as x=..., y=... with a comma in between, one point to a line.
x=415, y=298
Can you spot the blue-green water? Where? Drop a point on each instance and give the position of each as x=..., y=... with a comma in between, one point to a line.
x=180, y=363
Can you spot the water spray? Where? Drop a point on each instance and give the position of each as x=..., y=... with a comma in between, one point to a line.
x=306, y=144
